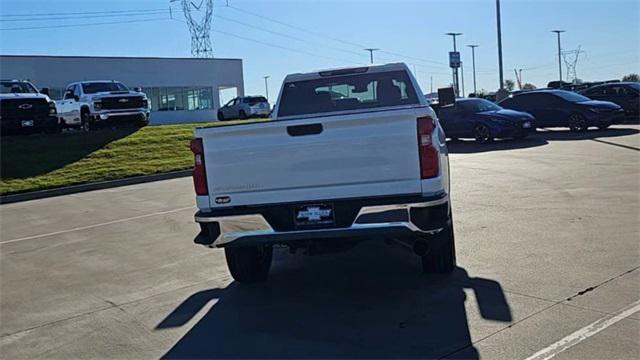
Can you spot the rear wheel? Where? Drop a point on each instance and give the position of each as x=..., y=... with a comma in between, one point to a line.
x=577, y=123
x=482, y=134
x=249, y=264
x=441, y=259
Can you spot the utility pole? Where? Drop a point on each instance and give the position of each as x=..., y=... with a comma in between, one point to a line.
x=462, y=73
x=371, y=53
x=455, y=69
x=558, y=32
x=473, y=63
x=431, y=81
x=266, y=86
x=499, y=44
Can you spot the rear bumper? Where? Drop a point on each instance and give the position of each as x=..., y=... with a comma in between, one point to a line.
x=408, y=218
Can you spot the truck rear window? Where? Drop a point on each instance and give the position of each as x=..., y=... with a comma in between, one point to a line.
x=350, y=92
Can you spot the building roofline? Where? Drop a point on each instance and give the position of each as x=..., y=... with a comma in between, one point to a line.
x=117, y=57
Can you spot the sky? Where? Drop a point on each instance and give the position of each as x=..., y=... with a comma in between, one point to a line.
x=309, y=35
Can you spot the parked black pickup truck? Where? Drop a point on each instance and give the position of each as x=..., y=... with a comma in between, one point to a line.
x=24, y=110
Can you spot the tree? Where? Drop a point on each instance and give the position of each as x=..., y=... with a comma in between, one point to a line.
x=528, y=86
x=509, y=84
x=631, y=77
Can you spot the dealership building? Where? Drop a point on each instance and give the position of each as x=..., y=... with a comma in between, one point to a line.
x=179, y=89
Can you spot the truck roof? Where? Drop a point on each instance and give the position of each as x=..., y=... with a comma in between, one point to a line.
x=345, y=71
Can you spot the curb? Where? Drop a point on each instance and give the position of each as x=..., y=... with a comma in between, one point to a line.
x=73, y=189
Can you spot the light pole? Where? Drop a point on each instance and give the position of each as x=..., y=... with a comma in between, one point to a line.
x=473, y=63
x=455, y=69
x=266, y=86
x=462, y=73
x=371, y=50
x=558, y=32
x=499, y=44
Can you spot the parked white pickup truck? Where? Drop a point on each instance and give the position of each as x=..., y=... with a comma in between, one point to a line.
x=350, y=155
x=89, y=103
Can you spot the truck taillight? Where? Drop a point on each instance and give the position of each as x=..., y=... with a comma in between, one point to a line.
x=199, y=174
x=429, y=161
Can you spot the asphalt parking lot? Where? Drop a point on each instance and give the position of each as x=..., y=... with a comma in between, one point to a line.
x=547, y=233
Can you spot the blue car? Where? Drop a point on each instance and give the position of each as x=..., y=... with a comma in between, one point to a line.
x=483, y=120
x=565, y=109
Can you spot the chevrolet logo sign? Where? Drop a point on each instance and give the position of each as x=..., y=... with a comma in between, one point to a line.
x=25, y=106
x=314, y=214
x=123, y=100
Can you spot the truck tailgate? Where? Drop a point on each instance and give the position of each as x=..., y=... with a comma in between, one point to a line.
x=348, y=156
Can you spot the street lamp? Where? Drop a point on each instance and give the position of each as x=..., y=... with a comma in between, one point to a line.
x=266, y=86
x=371, y=50
x=473, y=60
x=499, y=44
x=455, y=69
x=558, y=32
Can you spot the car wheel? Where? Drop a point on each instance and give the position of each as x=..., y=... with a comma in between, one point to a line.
x=441, y=259
x=577, y=123
x=220, y=116
x=482, y=134
x=249, y=264
x=85, y=121
x=242, y=115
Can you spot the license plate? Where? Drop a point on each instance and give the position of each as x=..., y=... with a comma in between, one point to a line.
x=27, y=123
x=526, y=125
x=314, y=215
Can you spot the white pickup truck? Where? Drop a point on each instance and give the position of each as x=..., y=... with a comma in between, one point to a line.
x=350, y=155
x=86, y=104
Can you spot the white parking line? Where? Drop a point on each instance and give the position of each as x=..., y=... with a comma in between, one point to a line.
x=96, y=225
x=584, y=333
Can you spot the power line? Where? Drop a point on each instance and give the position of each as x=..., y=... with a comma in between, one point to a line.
x=350, y=43
x=83, y=13
x=81, y=25
x=85, y=16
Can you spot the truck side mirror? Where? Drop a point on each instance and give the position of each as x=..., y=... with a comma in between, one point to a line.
x=137, y=89
x=76, y=97
x=44, y=91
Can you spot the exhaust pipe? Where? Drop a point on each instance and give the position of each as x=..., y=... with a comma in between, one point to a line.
x=419, y=247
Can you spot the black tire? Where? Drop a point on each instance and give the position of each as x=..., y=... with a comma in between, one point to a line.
x=482, y=134
x=249, y=264
x=441, y=259
x=220, y=116
x=86, y=124
x=577, y=123
x=242, y=115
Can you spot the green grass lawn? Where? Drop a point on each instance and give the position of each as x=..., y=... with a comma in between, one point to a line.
x=39, y=162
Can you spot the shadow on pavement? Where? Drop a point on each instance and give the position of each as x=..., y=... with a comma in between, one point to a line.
x=560, y=134
x=371, y=303
x=470, y=146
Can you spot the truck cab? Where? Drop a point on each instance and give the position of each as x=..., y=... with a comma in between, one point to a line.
x=87, y=104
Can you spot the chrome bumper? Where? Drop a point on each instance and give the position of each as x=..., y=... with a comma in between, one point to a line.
x=370, y=222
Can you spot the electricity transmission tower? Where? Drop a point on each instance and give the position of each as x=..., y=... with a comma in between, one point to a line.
x=571, y=60
x=199, y=14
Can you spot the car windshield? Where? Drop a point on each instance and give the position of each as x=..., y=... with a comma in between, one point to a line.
x=479, y=105
x=12, y=87
x=635, y=86
x=96, y=87
x=571, y=96
x=254, y=99
x=349, y=92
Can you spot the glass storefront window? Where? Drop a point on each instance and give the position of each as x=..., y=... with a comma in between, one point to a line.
x=179, y=98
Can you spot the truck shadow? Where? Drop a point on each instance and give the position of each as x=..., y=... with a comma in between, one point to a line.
x=369, y=304
x=27, y=156
x=470, y=146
